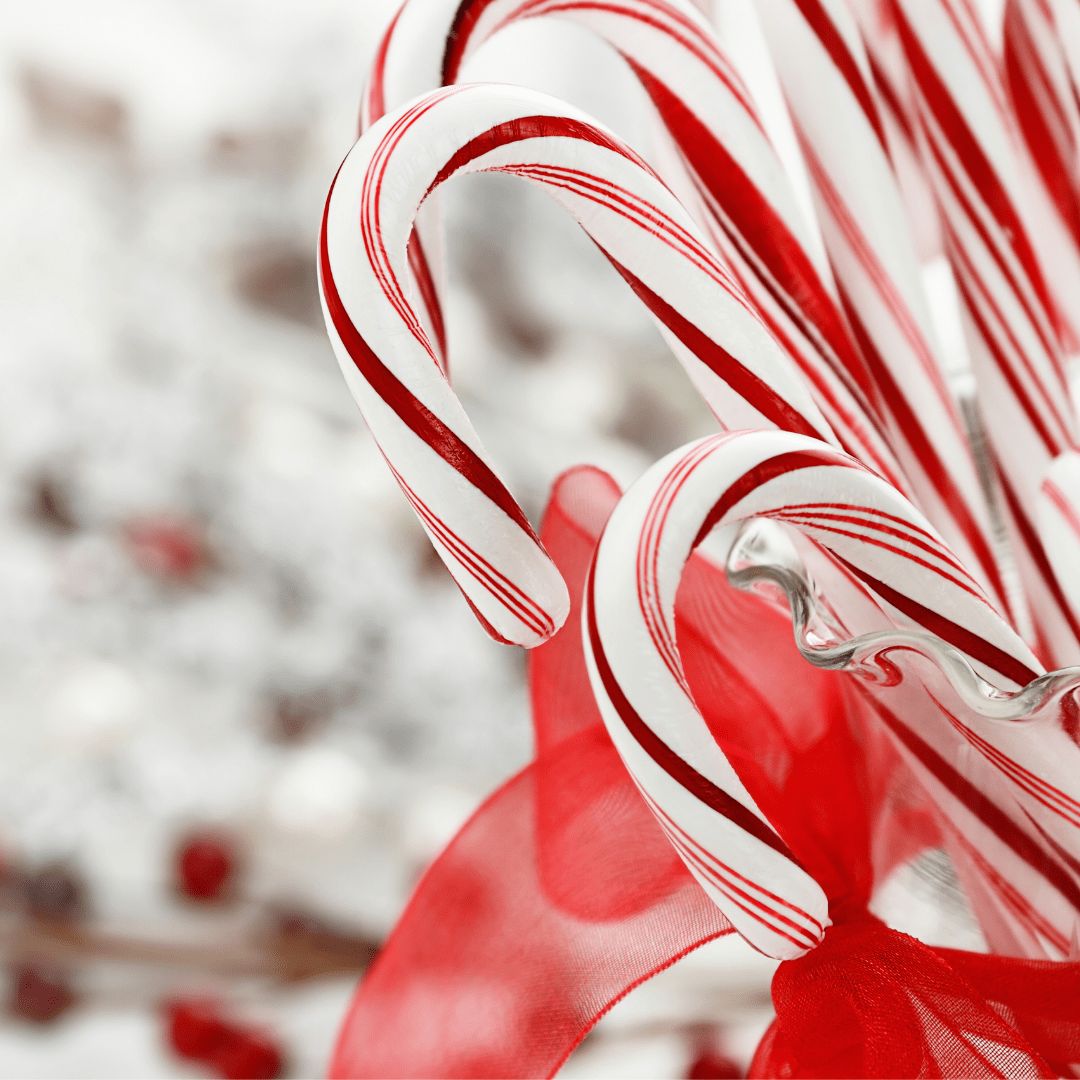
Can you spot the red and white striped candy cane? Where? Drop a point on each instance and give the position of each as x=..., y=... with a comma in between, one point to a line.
x=1058, y=510
x=900, y=118
x=827, y=80
x=628, y=629
x=393, y=370
x=1009, y=789
x=1067, y=23
x=1045, y=102
x=724, y=167
x=975, y=157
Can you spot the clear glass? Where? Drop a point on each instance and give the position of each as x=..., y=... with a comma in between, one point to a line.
x=1003, y=768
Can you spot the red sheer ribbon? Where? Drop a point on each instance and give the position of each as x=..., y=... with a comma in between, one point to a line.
x=870, y=1001
x=561, y=893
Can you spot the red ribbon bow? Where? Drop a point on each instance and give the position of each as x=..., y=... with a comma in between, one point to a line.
x=561, y=894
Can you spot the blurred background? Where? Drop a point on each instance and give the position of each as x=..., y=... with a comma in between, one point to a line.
x=242, y=705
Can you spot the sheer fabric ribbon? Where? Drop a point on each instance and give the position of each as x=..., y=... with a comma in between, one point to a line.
x=562, y=894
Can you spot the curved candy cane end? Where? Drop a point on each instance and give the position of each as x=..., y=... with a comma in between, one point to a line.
x=688, y=782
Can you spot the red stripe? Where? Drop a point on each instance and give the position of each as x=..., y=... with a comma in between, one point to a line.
x=426, y=284
x=714, y=871
x=908, y=531
x=465, y=20
x=966, y=272
x=644, y=214
x=886, y=288
x=1053, y=446
x=982, y=807
x=868, y=538
x=965, y=640
x=1056, y=162
x=812, y=353
x=817, y=521
x=648, y=555
x=376, y=99
x=925, y=453
x=850, y=421
x=697, y=44
x=1065, y=856
x=1011, y=897
x=413, y=413
x=708, y=856
x=1063, y=506
x=892, y=102
x=975, y=162
x=1049, y=796
x=844, y=62
x=497, y=584
x=769, y=469
x=744, y=382
x=978, y=48
x=1021, y=291
x=754, y=217
x=1037, y=552
x=942, y=551
x=534, y=127
x=714, y=874
x=703, y=789
x=732, y=893
x=370, y=224
x=704, y=49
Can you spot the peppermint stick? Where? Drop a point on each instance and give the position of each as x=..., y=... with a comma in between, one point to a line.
x=1008, y=788
x=1066, y=14
x=829, y=87
x=899, y=114
x=1045, y=103
x=394, y=372
x=987, y=199
x=723, y=167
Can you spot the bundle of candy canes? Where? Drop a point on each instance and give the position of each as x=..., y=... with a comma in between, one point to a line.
x=699, y=769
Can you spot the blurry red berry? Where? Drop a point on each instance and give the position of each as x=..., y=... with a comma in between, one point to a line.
x=172, y=550
x=38, y=995
x=204, y=867
x=249, y=1055
x=710, y=1065
x=195, y=1030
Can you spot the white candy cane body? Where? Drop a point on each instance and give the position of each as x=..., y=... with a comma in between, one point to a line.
x=830, y=90
x=394, y=372
x=723, y=166
x=974, y=156
x=1009, y=790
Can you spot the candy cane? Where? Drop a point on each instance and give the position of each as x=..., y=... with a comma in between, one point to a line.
x=974, y=157
x=1045, y=104
x=1067, y=22
x=724, y=168
x=900, y=118
x=1009, y=789
x=829, y=87
x=1058, y=510
x=393, y=370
